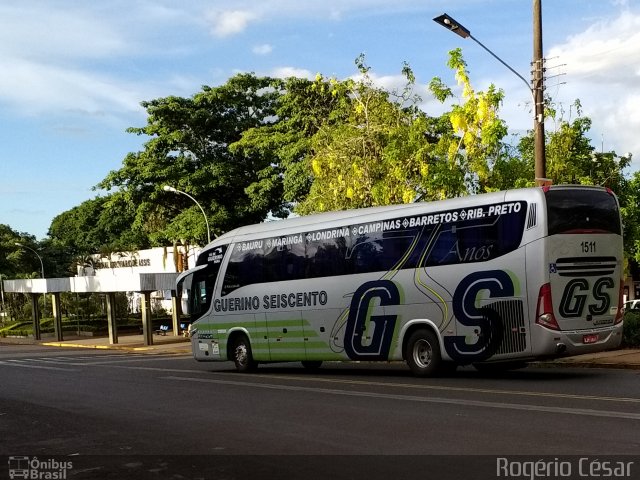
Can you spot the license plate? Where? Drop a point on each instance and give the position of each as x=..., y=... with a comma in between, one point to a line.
x=590, y=338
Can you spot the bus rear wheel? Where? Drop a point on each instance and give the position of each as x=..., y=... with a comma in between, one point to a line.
x=242, y=356
x=423, y=353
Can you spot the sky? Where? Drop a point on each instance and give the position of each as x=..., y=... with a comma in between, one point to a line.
x=74, y=73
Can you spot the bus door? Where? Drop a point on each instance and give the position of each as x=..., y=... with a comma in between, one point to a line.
x=196, y=287
x=285, y=334
x=284, y=259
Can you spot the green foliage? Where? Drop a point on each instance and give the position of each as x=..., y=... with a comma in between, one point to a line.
x=16, y=261
x=631, y=330
x=259, y=146
x=23, y=262
x=189, y=150
x=629, y=197
x=302, y=109
x=16, y=329
x=476, y=145
x=103, y=224
x=572, y=159
x=377, y=148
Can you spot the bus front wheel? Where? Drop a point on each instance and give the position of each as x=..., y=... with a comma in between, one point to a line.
x=242, y=356
x=423, y=353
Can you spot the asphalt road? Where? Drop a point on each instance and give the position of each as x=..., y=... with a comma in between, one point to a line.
x=146, y=409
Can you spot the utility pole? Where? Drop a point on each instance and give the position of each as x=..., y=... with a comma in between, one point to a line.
x=538, y=95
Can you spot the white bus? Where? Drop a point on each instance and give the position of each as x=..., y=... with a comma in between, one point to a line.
x=493, y=280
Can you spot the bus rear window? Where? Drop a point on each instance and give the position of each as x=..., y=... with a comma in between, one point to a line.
x=574, y=210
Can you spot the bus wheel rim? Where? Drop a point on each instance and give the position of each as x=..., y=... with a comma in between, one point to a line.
x=422, y=353
x=241, y=354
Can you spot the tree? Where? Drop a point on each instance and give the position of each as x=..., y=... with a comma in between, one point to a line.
x=302, y=108
x=16, y=261
x=19, y=262
x=100, y=225
x=629, y=197
x=477, y=146
x=189, y=150
x=571, y=158
x=259, y=146
x=384, y=150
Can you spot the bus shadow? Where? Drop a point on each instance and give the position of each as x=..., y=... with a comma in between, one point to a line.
x=400, y=370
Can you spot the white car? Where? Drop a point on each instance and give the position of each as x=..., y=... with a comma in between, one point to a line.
x=632, y=306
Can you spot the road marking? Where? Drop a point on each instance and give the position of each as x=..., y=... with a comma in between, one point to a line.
x=82, y=361
x=20, y=363
x=457, y=389
x=137, y=359
x=306, y=378
x=149, y=369
x=414, y=398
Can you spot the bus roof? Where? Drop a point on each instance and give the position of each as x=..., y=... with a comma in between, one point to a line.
x=334, y=219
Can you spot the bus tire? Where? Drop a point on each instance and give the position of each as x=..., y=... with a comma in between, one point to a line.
x=312, y=364
x=423, y=353
x=242, y=356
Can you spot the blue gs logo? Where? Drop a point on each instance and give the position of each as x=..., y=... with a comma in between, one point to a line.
x=489, y=324
x=378, y=347
x=575, y=295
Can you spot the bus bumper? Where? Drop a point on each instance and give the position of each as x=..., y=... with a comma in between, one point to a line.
x=567, y=343
x=205, y=350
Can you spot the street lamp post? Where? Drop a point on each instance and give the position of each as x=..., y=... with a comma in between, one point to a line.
x=168, y=188
x=538, y=81
x=37, y=255
x=44, y=295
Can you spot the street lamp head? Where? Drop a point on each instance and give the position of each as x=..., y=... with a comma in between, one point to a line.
x=18, y=244
x=451, y=24
x=168, y=188
x=536, y=88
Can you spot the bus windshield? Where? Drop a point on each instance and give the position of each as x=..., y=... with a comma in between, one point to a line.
x=573, y=210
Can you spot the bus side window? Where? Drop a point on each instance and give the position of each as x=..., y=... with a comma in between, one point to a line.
x=284, y=262
x=376, y=252
x=444, y=250
x=294, y=261
x=327, y=258
x=477, y=240
x=244, y=268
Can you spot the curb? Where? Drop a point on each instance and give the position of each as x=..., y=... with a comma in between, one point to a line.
x=178, y=347
x=583, y=364
x=97, y=347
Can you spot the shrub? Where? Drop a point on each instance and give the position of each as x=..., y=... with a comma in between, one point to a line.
x=631, y=330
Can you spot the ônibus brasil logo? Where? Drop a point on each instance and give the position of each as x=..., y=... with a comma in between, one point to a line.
x=35, y=469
